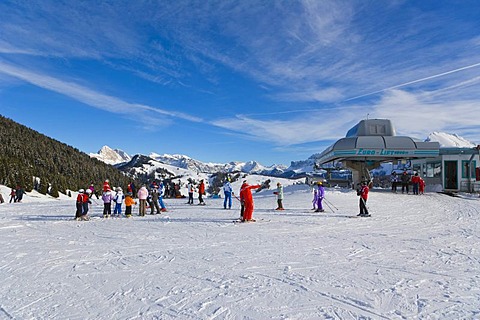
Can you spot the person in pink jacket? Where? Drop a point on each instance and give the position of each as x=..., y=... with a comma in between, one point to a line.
x=142, y=195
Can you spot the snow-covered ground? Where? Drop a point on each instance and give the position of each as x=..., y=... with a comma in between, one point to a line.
x=417, y=257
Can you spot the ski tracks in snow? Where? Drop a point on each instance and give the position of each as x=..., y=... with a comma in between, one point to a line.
x=416, y=257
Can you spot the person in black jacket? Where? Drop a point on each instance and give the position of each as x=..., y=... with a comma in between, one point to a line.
x=405, y=179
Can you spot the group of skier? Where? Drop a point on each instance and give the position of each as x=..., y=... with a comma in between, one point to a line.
x=362, y=192
x=16, y=194
x=83, y=200
x=405, y=179
x=152, y=197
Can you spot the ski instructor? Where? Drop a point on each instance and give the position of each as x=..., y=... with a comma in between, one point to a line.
x=246, y=197
x=363, y=193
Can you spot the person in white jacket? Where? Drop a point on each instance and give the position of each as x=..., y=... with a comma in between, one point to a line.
x=279, y=194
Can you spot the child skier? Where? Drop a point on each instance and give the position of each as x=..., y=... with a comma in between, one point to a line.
x=129, y=202
x=12, y=195
x=279, y=194
x=315, y=197
x=119, y=197
x=86, y=202
x=161, y=193
x=79, y=204
x=107, y=198
x=421, y=188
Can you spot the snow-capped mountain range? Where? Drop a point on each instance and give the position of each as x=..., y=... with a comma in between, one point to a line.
x=121, y=159
x=447, y=140
x=296, y=169
x=111, y=156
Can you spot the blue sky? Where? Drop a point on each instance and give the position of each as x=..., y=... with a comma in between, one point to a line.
x=219, y=81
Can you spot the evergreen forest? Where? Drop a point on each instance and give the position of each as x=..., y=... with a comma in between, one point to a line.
x=31, y=160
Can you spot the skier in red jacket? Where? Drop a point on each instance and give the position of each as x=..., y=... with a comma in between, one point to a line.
x=247, y=199
x=363, y=193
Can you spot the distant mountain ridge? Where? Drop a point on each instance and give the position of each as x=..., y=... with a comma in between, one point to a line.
x=125, y=162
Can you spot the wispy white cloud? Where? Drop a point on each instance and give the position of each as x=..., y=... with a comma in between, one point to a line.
x=476, y=65
x=88, y=96
x=300, y=51
x=318, y=126
x=318, y=51
x=418, y=115
x=415, y=115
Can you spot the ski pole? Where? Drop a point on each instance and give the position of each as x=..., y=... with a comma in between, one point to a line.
x=328, y=206
x=330, y=203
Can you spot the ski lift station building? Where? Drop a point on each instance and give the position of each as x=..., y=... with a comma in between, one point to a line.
x=374, y=141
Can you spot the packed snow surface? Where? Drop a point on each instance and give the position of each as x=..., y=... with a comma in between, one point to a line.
x=417, y=257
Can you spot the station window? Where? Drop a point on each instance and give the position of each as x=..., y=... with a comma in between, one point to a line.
x=434, y=169
x=472, y=169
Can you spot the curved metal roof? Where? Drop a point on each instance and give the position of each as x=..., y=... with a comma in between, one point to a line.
x=375, y=147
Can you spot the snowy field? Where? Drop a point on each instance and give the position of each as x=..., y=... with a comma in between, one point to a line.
x=417, y=257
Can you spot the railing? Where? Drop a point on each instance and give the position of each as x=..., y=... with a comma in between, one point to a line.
x=470, y=186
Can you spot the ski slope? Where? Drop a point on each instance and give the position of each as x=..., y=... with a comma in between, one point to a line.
x=417, y=257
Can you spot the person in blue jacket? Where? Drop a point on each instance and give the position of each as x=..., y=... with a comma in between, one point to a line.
x=161, y=193
x=227, y=190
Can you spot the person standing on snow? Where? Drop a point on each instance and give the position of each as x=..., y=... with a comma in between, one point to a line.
x=246, y=197
x=129, y=202
x=394, y=181
x=201, y=192
x=13, y=195
x=161, y=194
x=405, y=179
x=279, y=194
x=86, y=202
x=242, y=200
x=191, y=189
x=421, y=187
x=227, y=190
x=79, y=204
x=155, y=195
x=320, y=196
x=363, y=193
x=107, y=198
x=119, y=197
x=142, y=195
x=19, y=194
x=415, y=183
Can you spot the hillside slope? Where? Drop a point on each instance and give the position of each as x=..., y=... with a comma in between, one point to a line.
x=26, y=153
